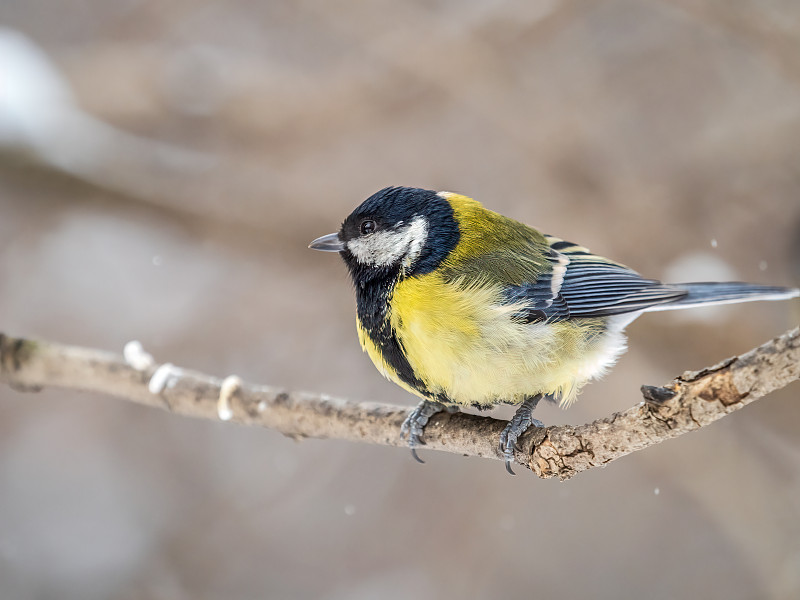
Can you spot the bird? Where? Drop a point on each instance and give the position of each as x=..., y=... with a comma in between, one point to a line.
x=464, y=307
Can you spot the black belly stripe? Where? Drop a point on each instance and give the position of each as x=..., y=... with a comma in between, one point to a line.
x=372, y=301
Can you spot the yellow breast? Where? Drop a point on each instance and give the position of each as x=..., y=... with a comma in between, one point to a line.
x=462, y=342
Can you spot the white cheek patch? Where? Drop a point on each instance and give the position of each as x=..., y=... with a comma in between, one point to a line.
x=384, y=248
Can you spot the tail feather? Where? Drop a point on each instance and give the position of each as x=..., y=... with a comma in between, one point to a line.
x=710, y=293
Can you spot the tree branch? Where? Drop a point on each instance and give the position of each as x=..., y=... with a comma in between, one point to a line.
x=691, y=401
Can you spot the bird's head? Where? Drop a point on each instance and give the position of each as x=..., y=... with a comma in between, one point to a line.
x=396, y=230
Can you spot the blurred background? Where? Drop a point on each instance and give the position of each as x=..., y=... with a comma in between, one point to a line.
x=163, y=166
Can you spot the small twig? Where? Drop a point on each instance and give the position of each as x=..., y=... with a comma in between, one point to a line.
x=691, y=401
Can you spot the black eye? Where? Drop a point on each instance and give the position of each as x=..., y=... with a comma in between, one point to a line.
x=367, y=226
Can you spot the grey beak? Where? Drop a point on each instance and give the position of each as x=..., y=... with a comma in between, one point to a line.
x=327, y=243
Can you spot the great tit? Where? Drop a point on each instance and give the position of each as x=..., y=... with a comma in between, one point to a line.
x=462, y=306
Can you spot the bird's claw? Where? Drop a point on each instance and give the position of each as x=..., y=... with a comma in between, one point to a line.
x=414, y=425
x=518, y=425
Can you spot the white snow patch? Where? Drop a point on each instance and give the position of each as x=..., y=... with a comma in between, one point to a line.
x=165, y=376
x=226, y=392
x=135, y=356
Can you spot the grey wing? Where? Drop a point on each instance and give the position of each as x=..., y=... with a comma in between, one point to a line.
x=582, y=285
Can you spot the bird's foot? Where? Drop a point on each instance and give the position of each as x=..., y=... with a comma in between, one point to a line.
x=518, y=425
x=414, y=425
